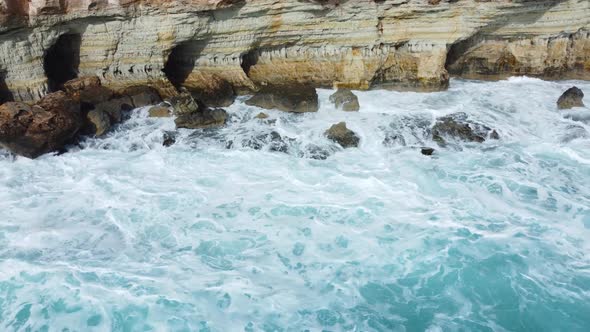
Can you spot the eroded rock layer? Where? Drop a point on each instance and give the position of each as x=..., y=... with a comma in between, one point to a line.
x=221, y=45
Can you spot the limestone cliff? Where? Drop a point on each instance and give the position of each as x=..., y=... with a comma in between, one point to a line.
x=240, y=45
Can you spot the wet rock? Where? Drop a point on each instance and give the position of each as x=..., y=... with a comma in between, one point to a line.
x=184, y=103
x=273, y=140
x=203, y=118
x=98, y=123
x=159, y=112
x=169, y=138
x=91, y=96
x=316, y=152
x=287, y=98
x=346, y=100
x=458, y=127
x=214, y=92
x=47, y=126
x=142, y=95
x=413, y=130
x=427, y=151
x=494, y=135
x=114, y=108
x=572, y=97
x=261, y=116
x=340, y=134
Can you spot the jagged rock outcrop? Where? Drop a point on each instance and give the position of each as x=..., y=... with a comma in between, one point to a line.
x=572, y=97
x=220, y=48
x=295, y=98
x=346, y=100
x=340, y=134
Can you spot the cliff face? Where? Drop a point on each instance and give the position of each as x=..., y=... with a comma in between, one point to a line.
x=243, y=44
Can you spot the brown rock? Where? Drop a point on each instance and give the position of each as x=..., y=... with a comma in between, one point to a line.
x=288, y=98
x=346, y=100
x=261, y=116
x=98, y=122
x=44, y=127
x=73, y=87
x=203, y=118
x=340, y=134
x=159, y=112
x=142, y=95
x=572, y=97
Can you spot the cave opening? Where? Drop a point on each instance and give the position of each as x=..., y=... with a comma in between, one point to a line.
x=249, y=60
x=62, y=60
x=5, y=94
x=181, y=61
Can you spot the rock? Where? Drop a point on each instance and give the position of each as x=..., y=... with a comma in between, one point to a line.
x=95, y=95
x=203, y=118
x=159, y=112
x=31, y=131
x=169, y=138
x=214, y=91
x=261, y=116
x=98, y=123
x=427, y=151
x=184, y=103
x=572, y=97
x=456, y=126
x=114, y=108
x=73, y=87
x=354, y=44
x=287, y=98
x=142, y=95
x=494, y=135
x=346, y=100
x=342, y=135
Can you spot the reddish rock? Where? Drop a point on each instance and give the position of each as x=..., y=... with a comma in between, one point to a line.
x=31, y=131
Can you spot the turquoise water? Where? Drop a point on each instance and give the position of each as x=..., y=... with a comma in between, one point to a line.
x=126, y=235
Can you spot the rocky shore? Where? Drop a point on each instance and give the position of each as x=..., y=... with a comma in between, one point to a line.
x=100, y=58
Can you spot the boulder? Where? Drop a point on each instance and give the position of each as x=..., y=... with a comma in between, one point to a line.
x=572, y=97
x=159, y=112
x=427, y=151
x=142, y=95
x=261, y=116
x=203, y=117
x=169, y=138
x=47, y=126
x=456, y=126
x=346, y=100
x=288, y=98
x=185, y=103
x=215, y=92
x=114, y=108
x=98, y=123
x=73, y=87
x=340, y=134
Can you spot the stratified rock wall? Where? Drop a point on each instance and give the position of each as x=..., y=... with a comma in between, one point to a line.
x=403, y=44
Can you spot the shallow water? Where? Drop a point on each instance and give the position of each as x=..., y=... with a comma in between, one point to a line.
x=127, y=235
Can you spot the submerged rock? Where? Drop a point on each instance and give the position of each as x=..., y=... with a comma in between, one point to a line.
x=572, y=97
x=346, y=100
x=47, y=126
x=340, y=134
x=456, y=126
x=427, y=151
x=287, y=98
x=261, y=116
x=169, y=138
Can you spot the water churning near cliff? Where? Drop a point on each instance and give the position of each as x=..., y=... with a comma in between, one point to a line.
x=227, y=231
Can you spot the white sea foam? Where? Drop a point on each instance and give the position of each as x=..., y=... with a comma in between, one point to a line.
x=219, y=232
